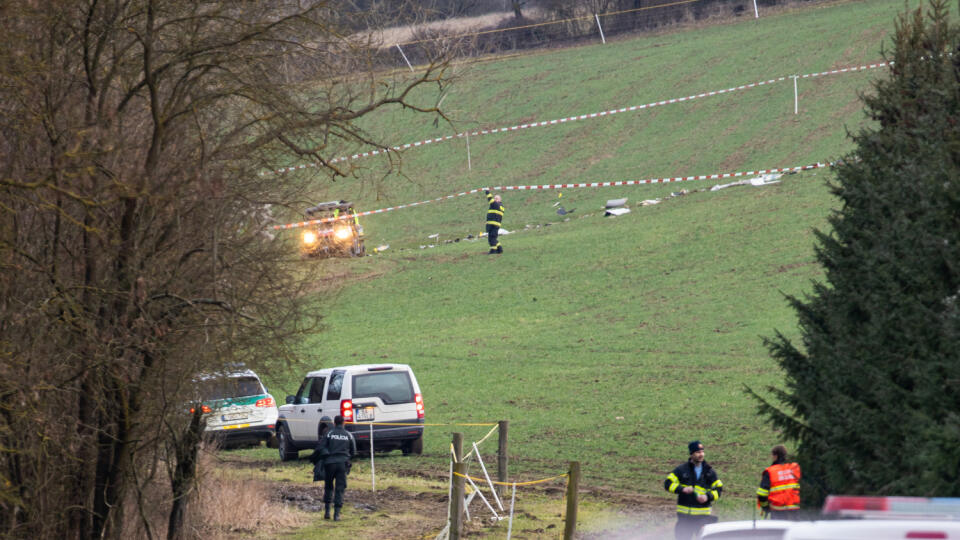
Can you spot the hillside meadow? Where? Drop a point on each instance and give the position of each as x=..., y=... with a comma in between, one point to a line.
x=612, y=341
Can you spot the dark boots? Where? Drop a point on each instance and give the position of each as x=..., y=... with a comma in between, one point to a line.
x=326, y=512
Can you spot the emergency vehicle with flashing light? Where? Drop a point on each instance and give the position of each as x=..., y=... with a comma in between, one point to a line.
x=338, y=233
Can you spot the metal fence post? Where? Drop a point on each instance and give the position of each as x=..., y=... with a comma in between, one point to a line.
x=404, y=57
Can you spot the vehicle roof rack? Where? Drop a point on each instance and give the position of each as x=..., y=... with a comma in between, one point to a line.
x=329, y=207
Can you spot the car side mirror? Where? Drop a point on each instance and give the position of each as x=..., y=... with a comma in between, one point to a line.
x=291, y=399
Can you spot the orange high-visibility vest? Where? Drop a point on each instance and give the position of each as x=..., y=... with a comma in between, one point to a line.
x=784, y=486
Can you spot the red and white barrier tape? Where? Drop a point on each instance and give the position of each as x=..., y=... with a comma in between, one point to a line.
x=562, y=186
x=846, y=70
x=584, y=116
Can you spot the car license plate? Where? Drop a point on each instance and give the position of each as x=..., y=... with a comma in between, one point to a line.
x=234, y=416
x=365, y=414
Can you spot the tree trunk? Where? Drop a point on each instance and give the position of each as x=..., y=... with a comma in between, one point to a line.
x=184, y=475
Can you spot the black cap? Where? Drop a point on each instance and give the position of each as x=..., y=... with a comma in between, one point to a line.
x=693, y=446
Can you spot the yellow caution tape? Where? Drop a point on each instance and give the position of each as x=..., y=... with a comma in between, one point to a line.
x=530, y=483
x=487, y=436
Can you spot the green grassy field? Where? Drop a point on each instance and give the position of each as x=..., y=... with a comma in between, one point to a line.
x=610, y=341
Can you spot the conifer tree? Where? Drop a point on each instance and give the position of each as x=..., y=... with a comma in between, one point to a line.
x=873, y=394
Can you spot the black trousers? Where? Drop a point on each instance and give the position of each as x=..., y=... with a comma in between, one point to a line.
x=334, y=483
x=789, y=515
x=492, y=232
x=688, y=525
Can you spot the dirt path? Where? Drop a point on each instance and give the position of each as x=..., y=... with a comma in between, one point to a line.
x=388, y=503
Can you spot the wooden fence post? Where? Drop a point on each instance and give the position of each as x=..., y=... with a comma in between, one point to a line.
x=458, y=447
x=502, y=457
x=573, y=482
x=456, y=501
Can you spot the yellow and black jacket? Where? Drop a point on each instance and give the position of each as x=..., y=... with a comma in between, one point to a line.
x=708, y=484
x=495, y=212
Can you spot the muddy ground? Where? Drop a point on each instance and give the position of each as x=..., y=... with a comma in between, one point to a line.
x=635, y=512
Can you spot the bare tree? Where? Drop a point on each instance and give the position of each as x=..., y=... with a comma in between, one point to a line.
x=132, y=244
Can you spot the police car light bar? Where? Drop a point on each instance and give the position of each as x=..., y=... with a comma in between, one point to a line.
x=893, y=507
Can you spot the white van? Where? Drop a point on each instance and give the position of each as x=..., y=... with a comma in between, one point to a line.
x=384, y=397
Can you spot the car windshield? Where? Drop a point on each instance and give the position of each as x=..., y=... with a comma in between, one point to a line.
x=391, y=387
x=230, y=387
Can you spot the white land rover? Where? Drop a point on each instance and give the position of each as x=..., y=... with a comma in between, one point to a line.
x=382, y=401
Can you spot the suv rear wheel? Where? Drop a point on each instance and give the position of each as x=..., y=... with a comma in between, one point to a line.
x=288, y=451
x=413, y=447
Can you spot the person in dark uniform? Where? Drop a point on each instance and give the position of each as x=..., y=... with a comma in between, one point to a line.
x=322, y=427
x=334, y=452
x=494, y=219
x=697, y=487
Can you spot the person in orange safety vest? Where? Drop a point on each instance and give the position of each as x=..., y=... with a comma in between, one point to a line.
x=779, y=493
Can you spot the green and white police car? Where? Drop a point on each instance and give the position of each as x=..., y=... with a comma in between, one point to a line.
x=237, y=408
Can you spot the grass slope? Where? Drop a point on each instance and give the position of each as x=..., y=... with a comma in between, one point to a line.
x=612, y=341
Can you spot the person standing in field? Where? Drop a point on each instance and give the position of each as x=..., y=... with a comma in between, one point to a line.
x=494, y=220
x=779, y=493
x=697, y=487
x=335, y=449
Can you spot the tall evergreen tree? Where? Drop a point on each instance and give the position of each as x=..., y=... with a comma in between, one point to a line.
x=873, y=395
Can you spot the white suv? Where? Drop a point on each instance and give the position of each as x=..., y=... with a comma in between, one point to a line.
x=369, y=396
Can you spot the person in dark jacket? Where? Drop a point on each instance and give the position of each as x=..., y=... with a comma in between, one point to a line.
x=779, y=493
x=334, y=451
x=697, y=486
x=325, y=424
x=494, y=220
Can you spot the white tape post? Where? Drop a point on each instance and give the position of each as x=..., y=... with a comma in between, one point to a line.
x=373, y=476
x=513, y=498
x=487, y=476
x=482, y=498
